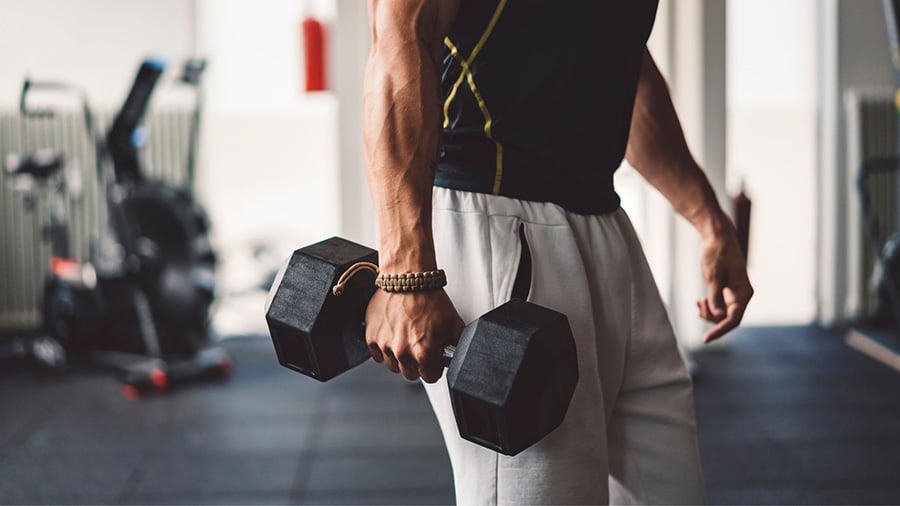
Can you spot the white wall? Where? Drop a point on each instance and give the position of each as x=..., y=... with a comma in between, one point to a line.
x=352, y=45
x=270, y=149
x=97, y=44
x=772, y=148
x=255, y=50
x=772, y=59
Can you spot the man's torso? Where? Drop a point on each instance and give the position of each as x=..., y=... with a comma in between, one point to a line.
x=538, y=96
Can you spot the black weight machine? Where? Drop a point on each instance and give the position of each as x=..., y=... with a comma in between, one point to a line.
x=140, y=305
x=69, y=283
x=874, y=341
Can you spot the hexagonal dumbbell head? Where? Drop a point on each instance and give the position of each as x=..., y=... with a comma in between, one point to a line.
x=315, y=332
x=512, y=376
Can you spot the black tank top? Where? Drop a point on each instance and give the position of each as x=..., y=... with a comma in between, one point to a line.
x=538, y=96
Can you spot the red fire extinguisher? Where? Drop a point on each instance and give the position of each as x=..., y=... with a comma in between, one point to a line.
x=314, y=48
x=741, y=208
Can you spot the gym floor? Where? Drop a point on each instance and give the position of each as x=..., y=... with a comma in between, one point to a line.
x=786, y=415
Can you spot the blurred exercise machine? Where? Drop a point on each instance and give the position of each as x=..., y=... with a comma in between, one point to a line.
x=70, y=284
x=885, y=243
x=140, y=305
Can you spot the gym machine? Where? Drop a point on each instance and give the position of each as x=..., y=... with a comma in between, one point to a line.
x=885, y=243
x=511, y=376
x=70, y=284
x=145, y=313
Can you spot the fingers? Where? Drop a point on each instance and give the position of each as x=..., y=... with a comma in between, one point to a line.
x=430, y=365
x=724, y=269
x=419, y=362
x=412, y=365
x=734, y=314
x=408, y=366
x=390, y=360
x=715, y=300
x=375, y=351
x=706, y=312
x=381, y=352
x=406, y=332
x=731, y=320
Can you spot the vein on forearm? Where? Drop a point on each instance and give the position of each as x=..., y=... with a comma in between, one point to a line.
x=402, y=136
x=658, y=150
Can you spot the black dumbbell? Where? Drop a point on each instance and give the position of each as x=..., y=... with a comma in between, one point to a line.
x=511, y=376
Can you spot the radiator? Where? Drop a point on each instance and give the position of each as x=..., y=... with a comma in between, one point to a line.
x=24, y=254
x=871, y=134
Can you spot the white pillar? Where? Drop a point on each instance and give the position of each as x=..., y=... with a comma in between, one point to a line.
x=830, y=153
x=349, y=54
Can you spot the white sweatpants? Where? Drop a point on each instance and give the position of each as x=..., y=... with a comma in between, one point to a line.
x=629, y=435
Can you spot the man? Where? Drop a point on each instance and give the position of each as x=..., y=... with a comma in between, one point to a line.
x=501, y=156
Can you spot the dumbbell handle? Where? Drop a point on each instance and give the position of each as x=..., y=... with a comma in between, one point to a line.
x=447, y=355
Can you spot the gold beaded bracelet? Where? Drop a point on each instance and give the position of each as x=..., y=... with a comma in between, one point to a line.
x=406, y=282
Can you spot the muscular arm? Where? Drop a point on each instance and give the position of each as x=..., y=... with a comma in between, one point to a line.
x=657, y=149
x=401, y=133
x=401, y=126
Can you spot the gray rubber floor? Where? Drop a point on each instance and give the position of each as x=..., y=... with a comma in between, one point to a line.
x=794, y=416
x=786, y=416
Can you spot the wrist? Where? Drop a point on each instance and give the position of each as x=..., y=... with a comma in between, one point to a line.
x=398, y=254
x=412, y=282
x=407, y=263
x=711, y=222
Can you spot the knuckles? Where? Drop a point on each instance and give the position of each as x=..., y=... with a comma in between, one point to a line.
x=401, y=351
x=409, y=346
x=421, y=355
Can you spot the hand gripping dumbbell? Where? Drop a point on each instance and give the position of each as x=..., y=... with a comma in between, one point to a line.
x=511, y=376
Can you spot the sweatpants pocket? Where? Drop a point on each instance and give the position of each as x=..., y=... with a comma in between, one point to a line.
x=522, y=284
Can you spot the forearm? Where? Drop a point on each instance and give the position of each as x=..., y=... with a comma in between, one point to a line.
x=401, y=131
x=657, y=149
